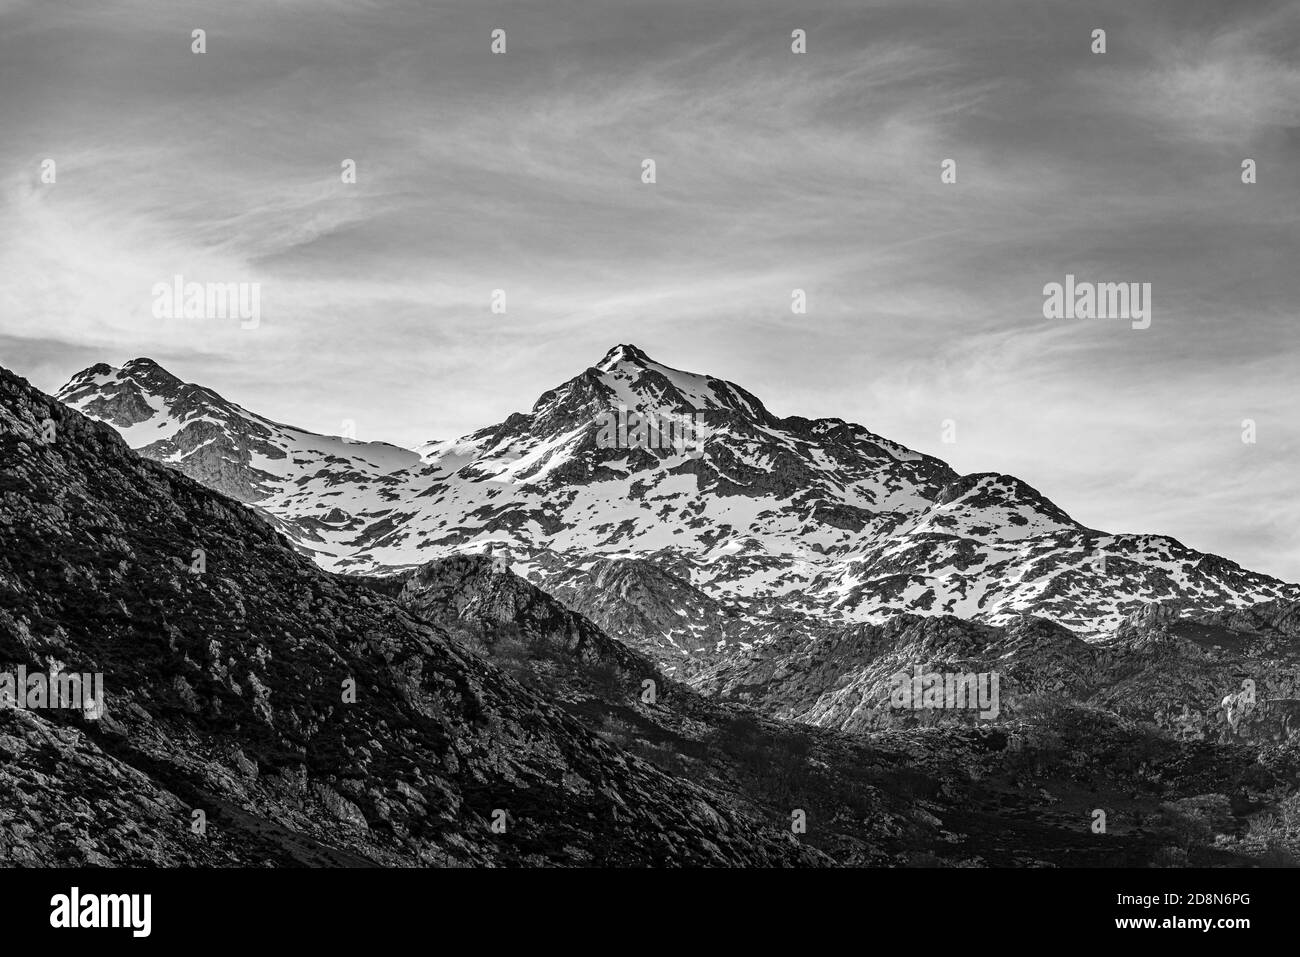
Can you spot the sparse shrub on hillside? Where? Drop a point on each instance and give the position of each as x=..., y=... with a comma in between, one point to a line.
x=617, y=732
x=1191, y=824
x=606, y=679
x=1278, y=833
x=662, y=756
x=1169, y=857
x=777, y=762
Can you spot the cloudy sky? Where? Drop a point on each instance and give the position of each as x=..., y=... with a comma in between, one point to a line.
x=775, y=171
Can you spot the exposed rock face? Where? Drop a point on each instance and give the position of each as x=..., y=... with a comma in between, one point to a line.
x=559, y=645
x=1182, y=675
x=648, y=606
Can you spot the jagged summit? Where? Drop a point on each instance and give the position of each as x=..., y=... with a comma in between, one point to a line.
x=130, y=384
x=214, y=440
x=621, y=354
x=628, y=378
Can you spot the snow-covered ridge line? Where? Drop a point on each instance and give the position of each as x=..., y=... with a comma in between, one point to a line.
x=820, y=518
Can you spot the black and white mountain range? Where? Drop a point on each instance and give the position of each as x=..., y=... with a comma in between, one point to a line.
x=780, y=524
x=566, y=652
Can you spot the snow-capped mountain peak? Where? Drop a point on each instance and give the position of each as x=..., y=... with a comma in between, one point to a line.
x=631, y=379
x=218, y=442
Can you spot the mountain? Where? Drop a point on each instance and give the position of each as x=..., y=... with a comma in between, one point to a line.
x=226, y=691
x=748, y=528
x=1175, y=673
x=1154, y=726
x=221, y=444
x=477, y=693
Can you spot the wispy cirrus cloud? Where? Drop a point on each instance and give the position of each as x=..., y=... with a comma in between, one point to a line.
x=775, y=171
